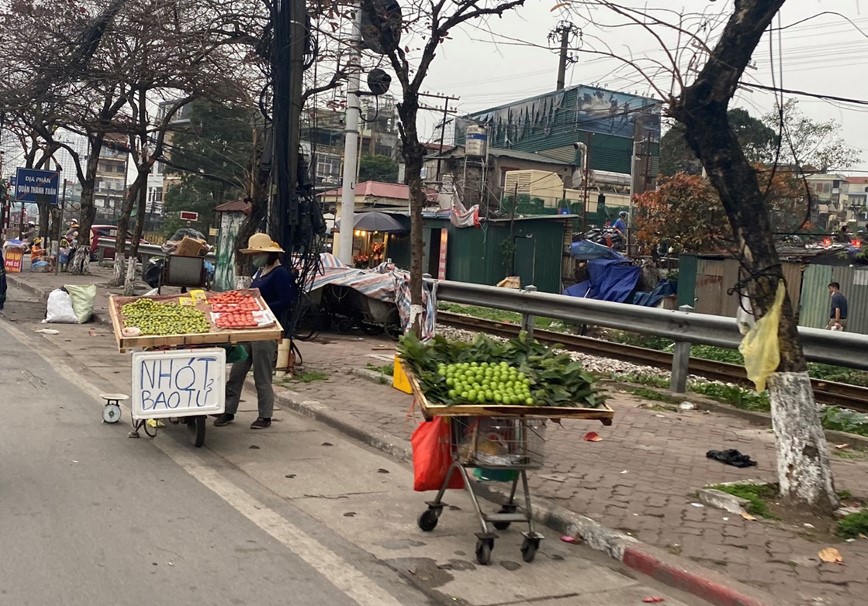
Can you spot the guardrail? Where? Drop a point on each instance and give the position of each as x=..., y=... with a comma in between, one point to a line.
x=146, y=251
x=683, y=327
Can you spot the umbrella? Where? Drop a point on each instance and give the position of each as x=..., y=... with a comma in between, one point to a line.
x=374, y=221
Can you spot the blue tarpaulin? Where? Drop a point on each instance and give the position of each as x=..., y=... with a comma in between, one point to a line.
x=609, y=280
x=664, y=288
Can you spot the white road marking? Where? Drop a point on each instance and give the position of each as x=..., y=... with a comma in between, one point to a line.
x=341, y=573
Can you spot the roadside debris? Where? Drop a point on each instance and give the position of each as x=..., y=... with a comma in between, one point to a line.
x=731, y=457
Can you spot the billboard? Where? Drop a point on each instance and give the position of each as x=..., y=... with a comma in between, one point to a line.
x=35, y=186
x=549, y=120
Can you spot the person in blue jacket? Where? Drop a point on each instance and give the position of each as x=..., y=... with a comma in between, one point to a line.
x=278, y=288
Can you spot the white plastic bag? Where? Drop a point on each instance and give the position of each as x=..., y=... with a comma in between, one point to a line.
x=59, y=308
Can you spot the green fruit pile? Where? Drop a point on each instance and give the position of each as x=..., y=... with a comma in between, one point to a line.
x=161, y=319
x=492, y=371
x=497, y=383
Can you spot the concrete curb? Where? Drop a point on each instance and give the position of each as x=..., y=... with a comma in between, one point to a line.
x=660, y=565
x=372, y=376
x=24, y=285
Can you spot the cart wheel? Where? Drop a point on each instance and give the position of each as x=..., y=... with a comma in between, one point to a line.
x=505, y=509
x=528, y=549
x=196, y=425
x=428, y=520
x=483, y=550
x=345, y=325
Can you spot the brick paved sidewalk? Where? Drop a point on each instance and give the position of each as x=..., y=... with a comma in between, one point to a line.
x=640, y=479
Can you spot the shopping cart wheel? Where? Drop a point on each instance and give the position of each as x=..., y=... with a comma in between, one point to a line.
x=428, y=520
x=528, y=549
x=483, y=550
x=505, y=509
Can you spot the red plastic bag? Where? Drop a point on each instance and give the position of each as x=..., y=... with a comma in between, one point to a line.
x=431, y=456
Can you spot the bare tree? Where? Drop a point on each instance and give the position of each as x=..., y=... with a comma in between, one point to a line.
x=702, y=80
x=430, y=21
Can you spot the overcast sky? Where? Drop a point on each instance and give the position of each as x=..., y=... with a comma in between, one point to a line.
x=824, y=55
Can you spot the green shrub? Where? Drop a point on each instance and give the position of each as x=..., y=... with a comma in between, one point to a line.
x=853, y=525
x=755, y=494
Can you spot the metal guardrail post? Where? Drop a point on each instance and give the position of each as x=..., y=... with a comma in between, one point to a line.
x=680, y=361
x=527, y=320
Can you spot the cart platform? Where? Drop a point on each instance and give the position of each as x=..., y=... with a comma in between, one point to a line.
x=215, y=336
x=602, y=413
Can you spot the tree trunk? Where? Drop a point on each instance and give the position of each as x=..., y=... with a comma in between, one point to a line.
x=79, y=263
x=44, y=216
x=413, y=158
x=120, y=271
x=803, y=466
x=139, y=231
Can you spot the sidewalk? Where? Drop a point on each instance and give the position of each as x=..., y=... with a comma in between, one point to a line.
x=640, y=480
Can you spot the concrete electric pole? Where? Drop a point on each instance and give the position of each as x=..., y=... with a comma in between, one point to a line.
x=568, y=37
x=351, y=144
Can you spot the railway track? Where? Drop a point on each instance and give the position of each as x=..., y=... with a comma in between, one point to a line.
x=827, y=392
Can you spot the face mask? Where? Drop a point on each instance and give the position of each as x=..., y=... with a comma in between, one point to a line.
x=260, y=260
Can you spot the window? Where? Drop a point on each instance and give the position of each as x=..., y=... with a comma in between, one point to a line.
x=327, y=165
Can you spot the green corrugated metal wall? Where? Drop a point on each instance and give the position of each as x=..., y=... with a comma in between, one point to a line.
x=688, y=265
x=815, y=301
x=475, y=255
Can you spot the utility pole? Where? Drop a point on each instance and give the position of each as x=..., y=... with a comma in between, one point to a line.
x=637, y=182
x=288, y=17
x=446, y=112
x=351, y=144
x=562, y=35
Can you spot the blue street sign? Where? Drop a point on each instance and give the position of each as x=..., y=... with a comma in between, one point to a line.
x=33, y=185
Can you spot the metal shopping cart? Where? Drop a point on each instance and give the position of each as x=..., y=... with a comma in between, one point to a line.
x=496, y=449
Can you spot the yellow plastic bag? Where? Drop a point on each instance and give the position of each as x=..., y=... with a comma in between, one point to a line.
x=760, y=349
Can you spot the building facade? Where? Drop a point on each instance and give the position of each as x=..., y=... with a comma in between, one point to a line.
x=607, y=122
x=111, y=178
x=322, y=137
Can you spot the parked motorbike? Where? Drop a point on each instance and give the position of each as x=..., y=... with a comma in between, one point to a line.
x=605, y=236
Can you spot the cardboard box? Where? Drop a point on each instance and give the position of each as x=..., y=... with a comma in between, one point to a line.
x=190, y=247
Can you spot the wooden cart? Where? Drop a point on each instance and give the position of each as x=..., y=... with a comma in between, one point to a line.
x=180, y=377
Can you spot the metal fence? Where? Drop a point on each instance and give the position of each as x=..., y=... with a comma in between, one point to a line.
x=683, y=327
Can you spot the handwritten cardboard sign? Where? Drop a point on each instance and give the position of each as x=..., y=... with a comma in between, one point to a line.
x=179, y=383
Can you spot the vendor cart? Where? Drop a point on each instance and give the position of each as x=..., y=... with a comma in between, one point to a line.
x=181, y=377
x=499, y=443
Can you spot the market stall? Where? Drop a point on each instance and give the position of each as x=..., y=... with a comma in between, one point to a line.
x=180, y=345
x=486, y=406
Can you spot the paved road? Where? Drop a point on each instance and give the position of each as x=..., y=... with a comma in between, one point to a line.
x=295, y=515
x=93, y=518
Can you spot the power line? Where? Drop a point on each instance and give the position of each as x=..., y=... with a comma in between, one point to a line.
x=790, y=91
